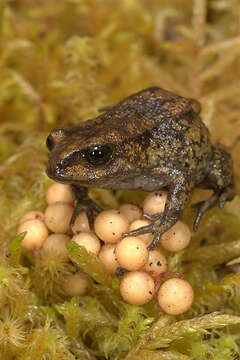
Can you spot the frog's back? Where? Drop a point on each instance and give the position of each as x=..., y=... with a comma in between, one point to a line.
x=157, y=104
x=147, y=109
x=178, y=137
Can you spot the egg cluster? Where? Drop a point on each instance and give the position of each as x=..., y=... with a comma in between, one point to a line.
x=145, y=270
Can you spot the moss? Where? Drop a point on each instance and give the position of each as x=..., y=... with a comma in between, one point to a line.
x=61, y=61
x=223, y=346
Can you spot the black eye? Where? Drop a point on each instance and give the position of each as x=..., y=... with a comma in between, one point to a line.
x=50, y=142
x=98, y=155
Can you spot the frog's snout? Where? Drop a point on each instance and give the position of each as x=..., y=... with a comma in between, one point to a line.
x=54, y=169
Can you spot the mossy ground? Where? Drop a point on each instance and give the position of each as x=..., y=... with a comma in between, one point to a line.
x=59, y=62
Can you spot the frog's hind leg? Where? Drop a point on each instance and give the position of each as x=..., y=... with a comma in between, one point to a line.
x=220, y=180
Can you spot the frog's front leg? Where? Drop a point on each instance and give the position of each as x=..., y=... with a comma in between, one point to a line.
x=178, y=195
x=83, y=203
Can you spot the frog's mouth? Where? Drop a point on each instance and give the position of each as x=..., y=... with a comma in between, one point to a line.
x=52, y=175
x=55, y=175
x=59, y=177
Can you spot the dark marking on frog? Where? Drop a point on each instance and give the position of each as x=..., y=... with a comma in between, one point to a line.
x=150, y=140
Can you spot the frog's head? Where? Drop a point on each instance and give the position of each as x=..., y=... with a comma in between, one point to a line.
x=91, y=156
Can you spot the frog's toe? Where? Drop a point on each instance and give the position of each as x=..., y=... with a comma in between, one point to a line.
x=95, y=207
x=89, y=207
x=195, y=207
x=90, y=218
x=142, y=230
x=227, y=195
x=201, y=207
x=197, y=220
x=148, y=217
x=154, y=217
x=221, y=201
x=155, y=241
x=74, y=216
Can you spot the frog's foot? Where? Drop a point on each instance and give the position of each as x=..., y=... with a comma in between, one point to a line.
x=178, y=195
x=217, y=198
x=142, y=230
x=157, y=235
x=227, y=195
x=87, y=205
x=151, y=228
x=201, y=207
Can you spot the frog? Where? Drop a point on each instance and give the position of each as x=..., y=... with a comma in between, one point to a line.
x=151, y=140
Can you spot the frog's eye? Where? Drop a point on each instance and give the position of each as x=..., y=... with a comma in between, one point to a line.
x=50, y=142
x=98, y=155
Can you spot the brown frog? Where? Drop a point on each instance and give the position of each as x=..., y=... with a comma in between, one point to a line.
x=150, y=140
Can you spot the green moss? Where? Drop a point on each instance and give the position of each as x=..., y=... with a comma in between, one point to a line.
x=222, y=347
x=88, y=262
x=61, y=61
